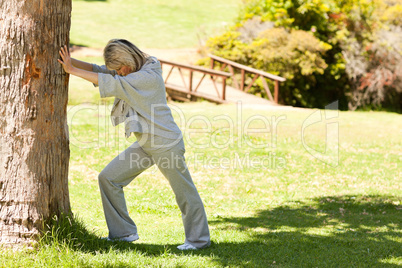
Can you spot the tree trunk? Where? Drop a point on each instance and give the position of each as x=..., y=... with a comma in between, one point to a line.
x=34, y=147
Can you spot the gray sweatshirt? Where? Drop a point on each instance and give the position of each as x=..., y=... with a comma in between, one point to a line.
x=140, y=100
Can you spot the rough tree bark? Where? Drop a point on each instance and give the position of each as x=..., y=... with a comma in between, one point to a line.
x=34, y=147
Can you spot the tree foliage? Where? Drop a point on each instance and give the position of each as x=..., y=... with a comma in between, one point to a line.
x=328, y=50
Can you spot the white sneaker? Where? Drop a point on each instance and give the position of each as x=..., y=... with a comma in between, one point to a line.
x=129, y=238
x=186, y=246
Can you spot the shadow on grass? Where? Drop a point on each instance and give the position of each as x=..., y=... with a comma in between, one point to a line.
x=341, y=231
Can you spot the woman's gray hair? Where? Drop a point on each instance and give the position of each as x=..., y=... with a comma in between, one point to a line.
x=120, y=52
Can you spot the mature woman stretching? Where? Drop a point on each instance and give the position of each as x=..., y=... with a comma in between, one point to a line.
x=135, y=80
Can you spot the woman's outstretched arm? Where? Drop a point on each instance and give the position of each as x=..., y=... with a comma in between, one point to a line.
x=83, y=72
x=81, y=64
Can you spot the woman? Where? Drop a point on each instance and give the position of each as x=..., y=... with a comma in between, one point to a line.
x=135, y=80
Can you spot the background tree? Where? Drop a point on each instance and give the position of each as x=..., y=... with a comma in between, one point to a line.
x=34, y=147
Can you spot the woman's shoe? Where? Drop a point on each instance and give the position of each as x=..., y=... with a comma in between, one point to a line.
x=186, y=246
x=129, y=238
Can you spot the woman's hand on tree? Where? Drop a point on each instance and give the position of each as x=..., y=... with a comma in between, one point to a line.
x=66, y=59
x=68, y=66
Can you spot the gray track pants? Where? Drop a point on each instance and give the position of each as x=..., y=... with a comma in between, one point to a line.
x=171, y=162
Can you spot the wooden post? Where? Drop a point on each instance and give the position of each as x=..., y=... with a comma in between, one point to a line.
x=190, y=86
x=212, y=63
x=234, y=77
x=223, y=88
x=276, y=93
x=243, y=73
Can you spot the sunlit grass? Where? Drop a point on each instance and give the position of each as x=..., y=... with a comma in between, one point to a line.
x=152, y=24
x=300, y=213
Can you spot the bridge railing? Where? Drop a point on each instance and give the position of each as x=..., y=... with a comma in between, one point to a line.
x=231, y=65
x=176, y=91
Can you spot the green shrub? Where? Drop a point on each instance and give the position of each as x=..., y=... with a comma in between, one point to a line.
x=295, y=55
x=328, y=50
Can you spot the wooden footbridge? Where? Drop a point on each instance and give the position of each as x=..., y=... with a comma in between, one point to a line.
x=189, y=83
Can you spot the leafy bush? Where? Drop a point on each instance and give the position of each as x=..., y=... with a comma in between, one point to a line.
x=372, y=51
x=293, y=54
x=328, y=50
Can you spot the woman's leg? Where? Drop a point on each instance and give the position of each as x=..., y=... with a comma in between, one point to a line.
x=116, y=175
x=173, y=166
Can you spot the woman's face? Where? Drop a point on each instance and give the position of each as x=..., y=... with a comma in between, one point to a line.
x=124, y=70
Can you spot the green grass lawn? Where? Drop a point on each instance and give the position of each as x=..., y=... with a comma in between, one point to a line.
x=150, y=23
x=271, y=206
